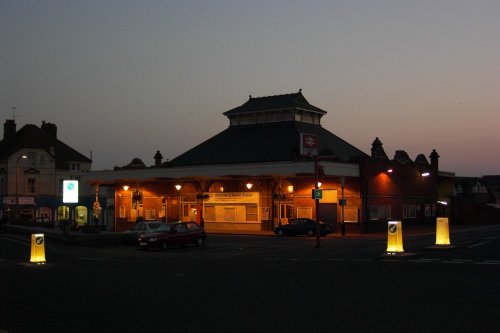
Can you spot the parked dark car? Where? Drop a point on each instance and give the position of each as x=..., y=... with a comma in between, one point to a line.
x=303, y=227
x=174, y=234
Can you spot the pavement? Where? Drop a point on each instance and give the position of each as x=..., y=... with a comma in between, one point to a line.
x=68, y=237
x=105, y=238
x=115, y=238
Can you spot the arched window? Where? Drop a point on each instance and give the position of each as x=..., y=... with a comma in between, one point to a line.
x=63, y=213
x=81, y=215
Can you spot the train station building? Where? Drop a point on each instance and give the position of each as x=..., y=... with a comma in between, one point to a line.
x=261, y=171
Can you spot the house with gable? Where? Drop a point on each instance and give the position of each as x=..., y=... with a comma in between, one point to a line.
x=33, y=165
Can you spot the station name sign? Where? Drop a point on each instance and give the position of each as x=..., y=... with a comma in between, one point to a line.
x=233, y=198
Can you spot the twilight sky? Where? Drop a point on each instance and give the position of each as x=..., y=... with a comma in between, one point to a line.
x=125, y=78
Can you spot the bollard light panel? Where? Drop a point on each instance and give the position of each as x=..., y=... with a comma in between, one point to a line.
x=442, y=231
x=394, y=237
x=37, y=249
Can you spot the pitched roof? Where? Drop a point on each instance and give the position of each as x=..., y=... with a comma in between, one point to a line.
x=277, y=102
x=32, y=136
x=271, y=142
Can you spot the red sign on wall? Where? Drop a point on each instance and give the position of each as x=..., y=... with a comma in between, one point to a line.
x=308, y=144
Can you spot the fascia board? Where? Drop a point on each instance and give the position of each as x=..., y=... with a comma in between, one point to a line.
x=275, y=169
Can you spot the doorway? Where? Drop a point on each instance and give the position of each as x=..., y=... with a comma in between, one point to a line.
x=328, y=214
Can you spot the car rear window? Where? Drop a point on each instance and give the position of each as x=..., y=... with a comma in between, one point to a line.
x=193, y=226
x=164, y=227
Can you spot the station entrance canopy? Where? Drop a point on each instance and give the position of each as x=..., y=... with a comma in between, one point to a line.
x=268, y=169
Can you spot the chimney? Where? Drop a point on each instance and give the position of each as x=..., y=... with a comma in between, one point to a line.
x=9, y=129
x=377, y=150
x=49, y=129
x=434, y=156
x=158, y=159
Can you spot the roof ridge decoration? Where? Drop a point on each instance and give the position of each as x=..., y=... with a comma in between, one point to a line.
x=277, y=95
x=271, y=103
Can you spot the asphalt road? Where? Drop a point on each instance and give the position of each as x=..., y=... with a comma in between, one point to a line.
x=256, y=284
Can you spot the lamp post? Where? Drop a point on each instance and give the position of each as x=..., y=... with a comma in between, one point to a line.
x=316, y=200
x=343, y=202
x=17, y=184
x=178, y=188
x=279, y=204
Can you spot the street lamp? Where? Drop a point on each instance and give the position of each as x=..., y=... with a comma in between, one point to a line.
x=342, y=203
x=17, y=185
x=178, y=188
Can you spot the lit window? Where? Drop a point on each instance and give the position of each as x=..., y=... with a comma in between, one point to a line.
x=380, y=212
x=430, y=210
x=31, y=185
x=209, y=213
x=251, y=213
x=32, y=158
x=412, y=211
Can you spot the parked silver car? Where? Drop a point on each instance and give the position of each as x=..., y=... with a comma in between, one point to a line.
x=144, y=228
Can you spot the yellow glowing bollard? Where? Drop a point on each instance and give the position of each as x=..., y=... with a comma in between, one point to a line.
x=394, y=237
x=37, y=249
x=442, y=231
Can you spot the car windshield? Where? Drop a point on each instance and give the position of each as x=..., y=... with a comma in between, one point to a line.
x=155, y=225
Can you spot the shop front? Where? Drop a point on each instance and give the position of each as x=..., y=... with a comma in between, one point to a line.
x=234, y=211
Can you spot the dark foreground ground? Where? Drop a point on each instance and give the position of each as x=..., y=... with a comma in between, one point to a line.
x=255, y=284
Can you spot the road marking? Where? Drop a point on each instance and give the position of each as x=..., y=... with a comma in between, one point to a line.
x=478, y=244
x=457, y=261
x=488, y=262
x=425, y=260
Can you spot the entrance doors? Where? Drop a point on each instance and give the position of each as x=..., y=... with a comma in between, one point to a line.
x=328, y=214
x=189, y=212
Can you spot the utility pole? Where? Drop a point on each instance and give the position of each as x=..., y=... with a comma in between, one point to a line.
x=343, y=202
x=316, y=187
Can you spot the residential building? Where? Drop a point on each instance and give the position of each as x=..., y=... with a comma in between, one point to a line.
x=476, y=200
x=33, y=165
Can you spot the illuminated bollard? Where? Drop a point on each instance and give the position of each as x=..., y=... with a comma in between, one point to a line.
x=37, y=249
x=394, y=237
x=442, y=231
